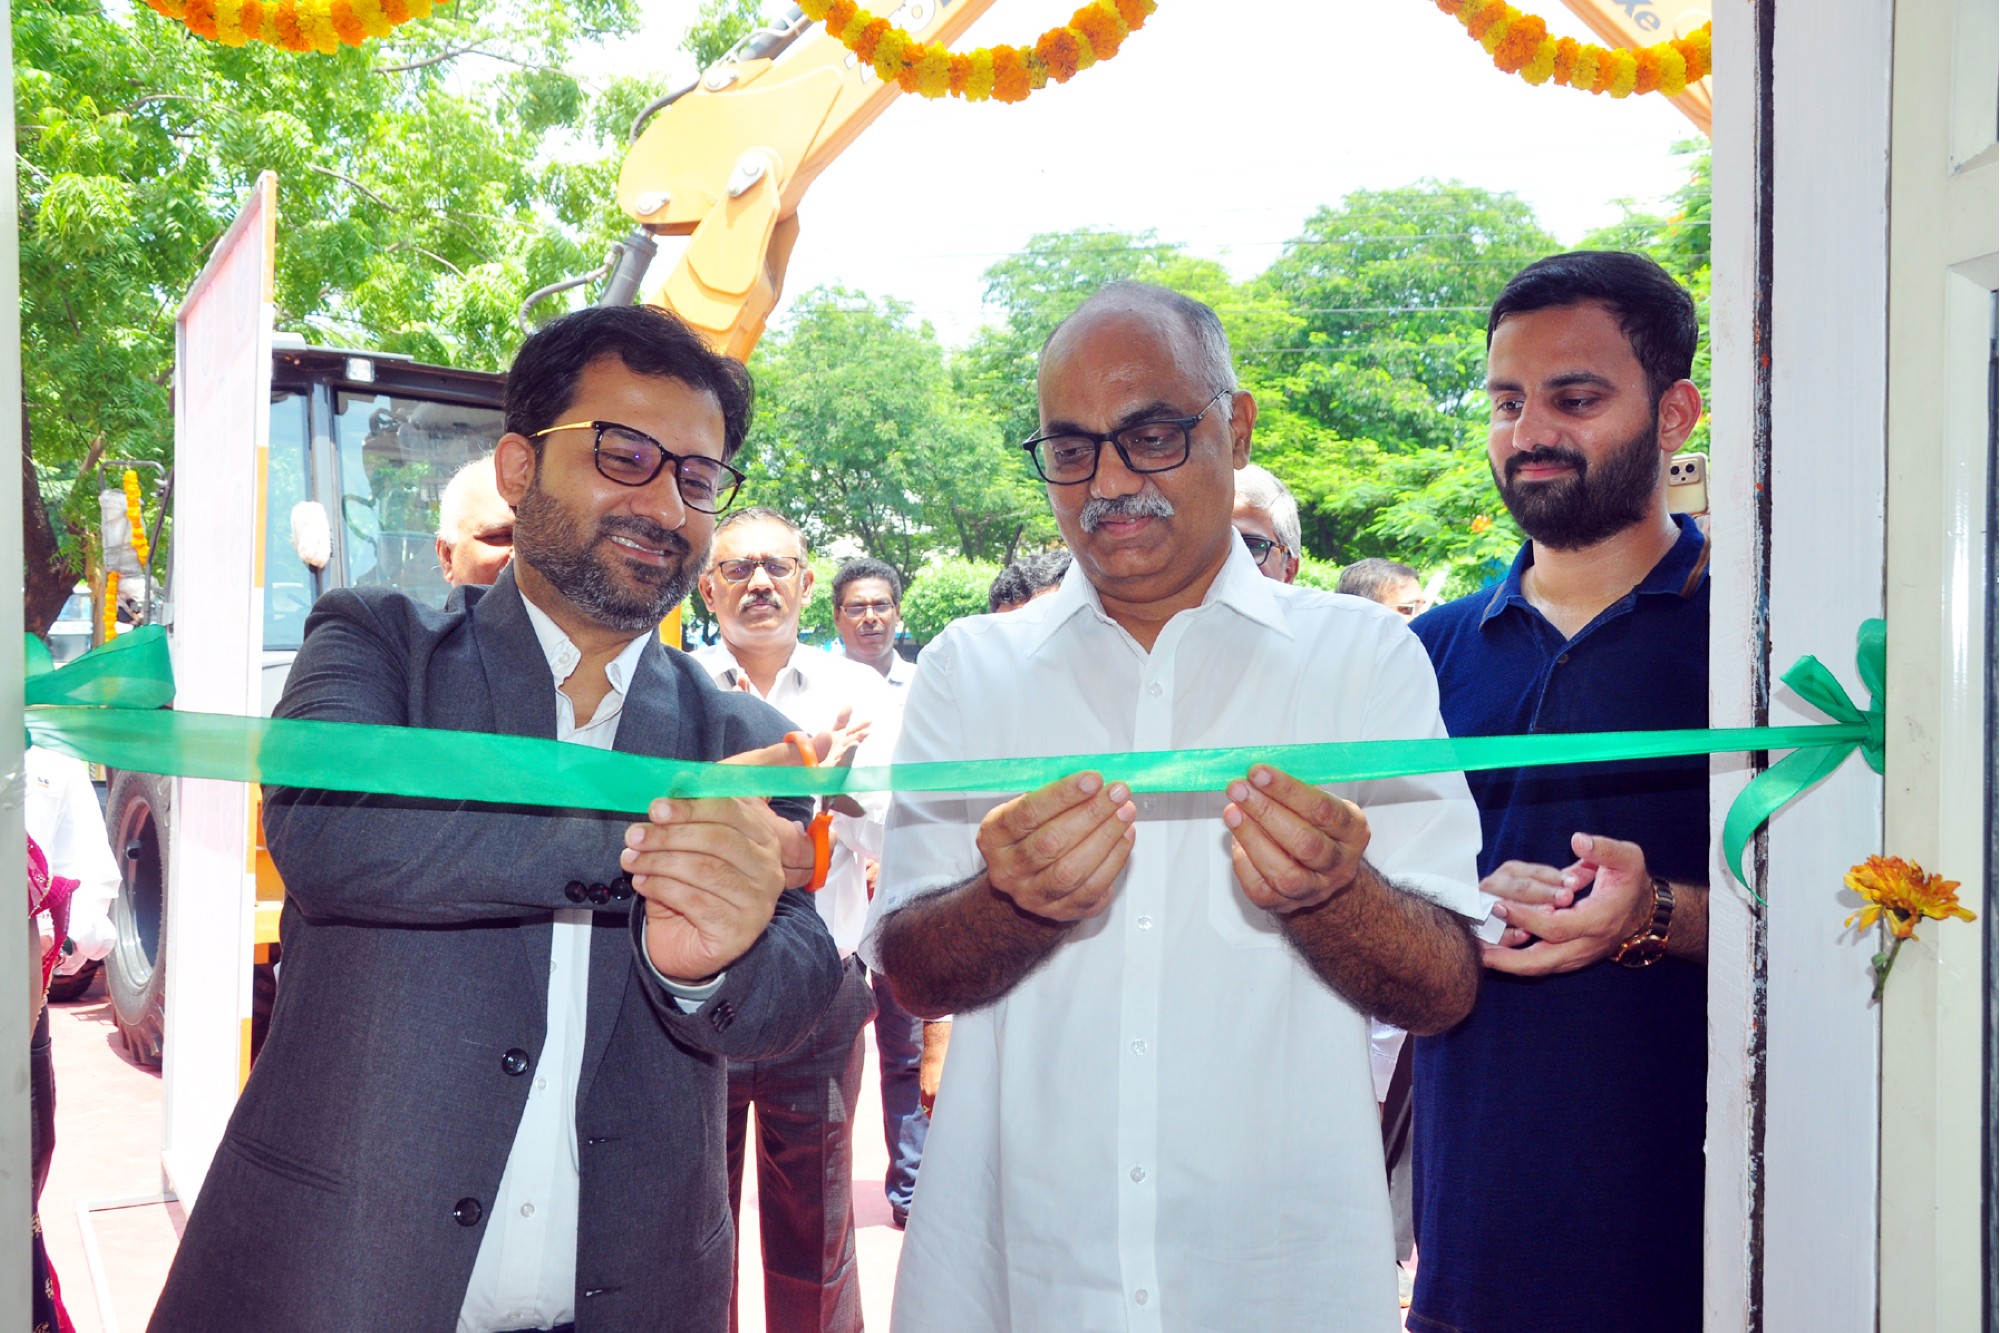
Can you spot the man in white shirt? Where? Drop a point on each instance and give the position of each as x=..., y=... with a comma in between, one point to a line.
x=492, y=1094
x=868, y=615
x=1158, y=1111
x=757, y=581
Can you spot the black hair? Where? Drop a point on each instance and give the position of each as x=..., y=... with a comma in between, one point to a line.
x=868, y=568
x=1372, y=577
x=541, y=384
x=1655, y=312
x=1019, y=582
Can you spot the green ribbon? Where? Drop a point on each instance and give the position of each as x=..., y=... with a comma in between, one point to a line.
x=104, y=707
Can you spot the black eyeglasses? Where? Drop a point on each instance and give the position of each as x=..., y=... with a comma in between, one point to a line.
x=1069, y=458
x=779, y=567
x=633, y=458
x=856, y=610
x=1261, y=547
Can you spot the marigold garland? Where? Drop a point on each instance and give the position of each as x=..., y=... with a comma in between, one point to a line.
x=136, y=517
x=1520, y=44
x=110, y=605
x=1002, y=73
x=295, y=25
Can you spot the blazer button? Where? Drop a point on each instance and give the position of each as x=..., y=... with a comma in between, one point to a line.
x=515, y=1061
x=467, y=1212
x=600, y=893
x=621, y=888
x=575, y=891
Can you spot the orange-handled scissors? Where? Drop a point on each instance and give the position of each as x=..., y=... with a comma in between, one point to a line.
x=820, y=830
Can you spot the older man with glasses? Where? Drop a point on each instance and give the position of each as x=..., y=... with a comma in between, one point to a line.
x=1157, y=1113
x=757, y=583
x=1267, y=519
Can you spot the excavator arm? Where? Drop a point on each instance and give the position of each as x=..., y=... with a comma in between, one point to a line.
x=726, y=162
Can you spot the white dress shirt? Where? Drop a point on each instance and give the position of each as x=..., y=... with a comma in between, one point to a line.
x=66, y=821
x=525, y=1273
x=811, y=689
x=901, y=669
x=1169, y=1124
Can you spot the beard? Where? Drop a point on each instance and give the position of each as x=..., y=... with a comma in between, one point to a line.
x=1594, y=503
x=579, y=561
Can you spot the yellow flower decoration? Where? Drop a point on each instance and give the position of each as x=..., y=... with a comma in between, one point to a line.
x=1520, y=44
x=1001, y=73
x=110, y=605
x=1899, y=894
x=136, y=516
x=295, y=25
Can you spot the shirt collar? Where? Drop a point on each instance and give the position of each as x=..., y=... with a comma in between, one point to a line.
x=803, y=662
x=1678, y=572
x=1238, y=587
x=563, y=655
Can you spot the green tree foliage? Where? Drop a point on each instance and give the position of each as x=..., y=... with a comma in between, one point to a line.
x=426, y=183
x=943, y=592
x=719, y=26
x=863, y=435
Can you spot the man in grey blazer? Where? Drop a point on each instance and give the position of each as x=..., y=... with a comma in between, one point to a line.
x=492, y=1097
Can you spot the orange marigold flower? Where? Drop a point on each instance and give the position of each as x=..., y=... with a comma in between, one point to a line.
x=961, y=71
x=1518, y=47
x=1488, y=15
x=871, y=37
x=1058, y=49
x=1451, y=6
x=1647, y=77
x=1102, y=27
x=1134, y=12
x=838, y=15
x=1566, y=49
x=346, y=25
x=200, y=18
x=285, y=23
x=1010, y=75
x=396, y=11
x=1901, y=893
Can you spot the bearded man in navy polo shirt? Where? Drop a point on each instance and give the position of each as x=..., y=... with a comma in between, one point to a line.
x=1559, y=1128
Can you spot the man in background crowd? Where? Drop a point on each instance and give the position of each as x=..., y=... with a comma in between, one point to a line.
x=868, y=615
x=1267, y=518
x=1025, y=579
x=475, y=537
x=1389, y=582
x=757, y=582
x=1592, y=1017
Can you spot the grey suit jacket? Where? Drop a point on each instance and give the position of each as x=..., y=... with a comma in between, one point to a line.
x=350, y=1190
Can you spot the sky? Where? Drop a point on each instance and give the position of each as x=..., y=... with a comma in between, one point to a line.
x=1221, y=125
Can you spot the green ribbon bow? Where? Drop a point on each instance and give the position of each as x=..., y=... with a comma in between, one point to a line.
x=107, y=707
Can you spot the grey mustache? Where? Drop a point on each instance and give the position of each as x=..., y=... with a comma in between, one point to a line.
x=1146, y=504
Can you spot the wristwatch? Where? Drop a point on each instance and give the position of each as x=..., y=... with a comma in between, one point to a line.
x=1649, y=945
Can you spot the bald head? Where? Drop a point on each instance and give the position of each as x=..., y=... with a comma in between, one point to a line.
x=1201, y=348
x=475, y=537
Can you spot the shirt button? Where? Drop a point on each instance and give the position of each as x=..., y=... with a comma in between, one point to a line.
x=1155, y=689
x=515, y=1061
x=1145, y=923
x=1140, y=1296
x=1148, y=803
x=1562, y=659
x=542, y=1084
x=1138, y=1175
x=1139, y=1046
x=527, y=1210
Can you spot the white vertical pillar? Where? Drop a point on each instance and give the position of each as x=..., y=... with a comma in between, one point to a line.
x=1828, y=403
x=15, y=1188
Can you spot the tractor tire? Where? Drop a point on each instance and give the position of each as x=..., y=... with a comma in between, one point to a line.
x=135, y=972
x=63, y=990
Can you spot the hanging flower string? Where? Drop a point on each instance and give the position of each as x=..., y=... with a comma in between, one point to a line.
x=1520, y=44
x=1002, y=73
x=110, y=605
x=1899, y=894
x=136, y=517
x=296, y=25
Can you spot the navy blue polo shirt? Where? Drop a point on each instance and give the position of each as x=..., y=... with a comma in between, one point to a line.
x=1559, y=1129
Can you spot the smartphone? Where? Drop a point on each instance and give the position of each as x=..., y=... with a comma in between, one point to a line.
x=1687, y=484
